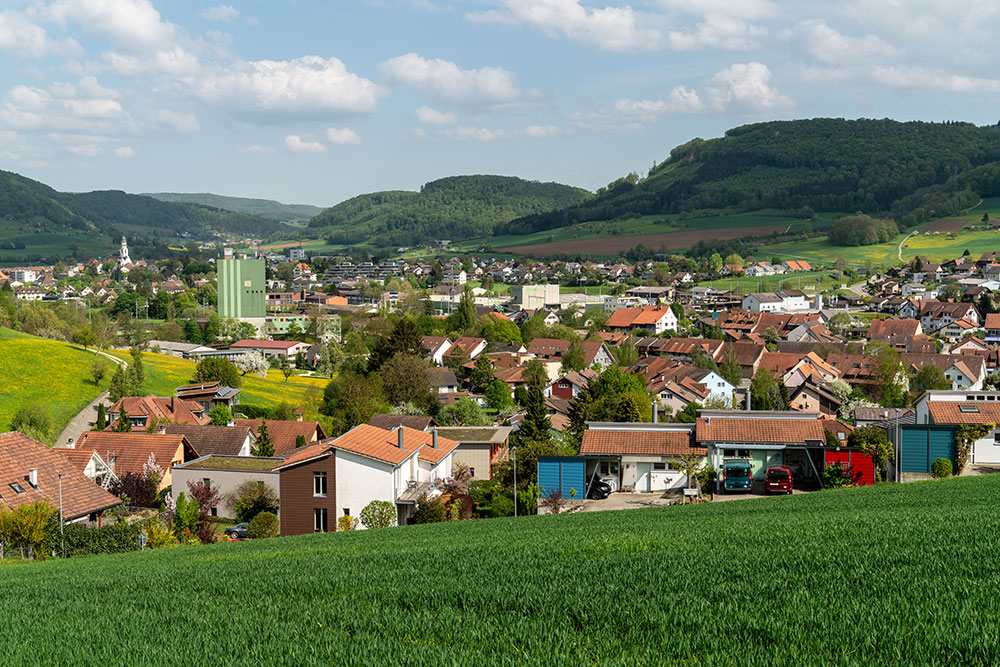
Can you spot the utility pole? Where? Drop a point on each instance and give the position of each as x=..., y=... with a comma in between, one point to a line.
x=62, y=533
x=513, y=452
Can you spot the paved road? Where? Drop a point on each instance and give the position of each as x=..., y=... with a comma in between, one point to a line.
x=86, y=418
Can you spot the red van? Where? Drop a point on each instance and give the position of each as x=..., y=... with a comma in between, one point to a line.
x=778, y=480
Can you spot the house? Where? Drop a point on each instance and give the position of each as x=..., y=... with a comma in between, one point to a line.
x=416, y=422
x=479, y=447
x=468, y=347
x=209, y=394
x=212, y=440
x=436, y=347
x=797, y=265
x=971, y=345
x=810, y=368
x=766, y=438
x=285, y=433
x=553, y=349
x=812, y=396
x=637, y=457
x=571, y=384
x=992, y=326
x=651, y=318
x=964, y=371
x=443, y=381
x=937, y=314
x=130, y=452
x=959, y=329
x=225, y=473
x=279, y=349
x=146, y=410
x=90, y=463
x=31, y=471
x=954, y=408
x=784, y=301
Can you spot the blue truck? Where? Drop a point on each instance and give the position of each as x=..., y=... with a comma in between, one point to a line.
x=737, y=475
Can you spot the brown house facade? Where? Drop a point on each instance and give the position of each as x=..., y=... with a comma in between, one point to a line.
x=308, y=495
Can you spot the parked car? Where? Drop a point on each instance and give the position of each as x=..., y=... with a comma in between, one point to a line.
x=237, y=532
x=599, y=490
x=737, y=475
x=778, y=480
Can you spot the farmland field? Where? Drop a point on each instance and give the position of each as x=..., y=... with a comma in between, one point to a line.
x=165, y=373
x=804, y=280
x=891, y=574
x=37, y=371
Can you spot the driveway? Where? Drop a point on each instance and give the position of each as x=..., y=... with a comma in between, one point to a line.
x=629, y=501
x=83, y=421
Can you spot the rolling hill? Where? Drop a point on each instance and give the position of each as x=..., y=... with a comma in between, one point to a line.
x=456, y=208
x=262, y=208
x=912, y=171
x=892, y=574
x=37, y=221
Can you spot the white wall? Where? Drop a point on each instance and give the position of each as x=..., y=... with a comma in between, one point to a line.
x=986, y=450
x=359, y=481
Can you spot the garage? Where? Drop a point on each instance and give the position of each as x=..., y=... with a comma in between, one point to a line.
x=920, y=444
x=563, y=474
x=857, y=464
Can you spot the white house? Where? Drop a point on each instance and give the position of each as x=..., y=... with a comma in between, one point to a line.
x=638, y=457
x=776, y=302
x=436, y=347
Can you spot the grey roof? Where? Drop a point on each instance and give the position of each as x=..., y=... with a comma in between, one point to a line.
x=476, y=434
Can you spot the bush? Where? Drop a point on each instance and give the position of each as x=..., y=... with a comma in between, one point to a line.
x=346, y=523
x=251, y=498
x=835, y=477
x=429, y=510
x=378, y=514
x=138, y=489
x=33, y=421
x=114, y=538
x=263, y=525
x=941, y=468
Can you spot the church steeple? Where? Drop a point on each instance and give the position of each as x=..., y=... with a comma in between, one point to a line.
x=123, y=258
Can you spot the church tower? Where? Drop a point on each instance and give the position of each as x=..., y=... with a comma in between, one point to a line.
x=123, y=258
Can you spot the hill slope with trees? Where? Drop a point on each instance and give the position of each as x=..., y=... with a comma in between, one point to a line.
x=459, y=207
x=262, y=208
x=910, y=172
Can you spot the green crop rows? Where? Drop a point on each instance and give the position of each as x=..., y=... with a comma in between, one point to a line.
x=890, y=575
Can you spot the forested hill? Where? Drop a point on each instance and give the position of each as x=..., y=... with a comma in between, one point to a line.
x=459, y=207
x=112, y=212
x=908, y=171
x=262, y=208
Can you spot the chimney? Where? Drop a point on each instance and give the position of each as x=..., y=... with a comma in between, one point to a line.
x=656, y=410
x=708, y=420
x=70, y=444
x=33, y=477
x=232, y=422
x=161, y=429
x=748, y=398
x=434, y=438
x=399, y=434
x=171, y=404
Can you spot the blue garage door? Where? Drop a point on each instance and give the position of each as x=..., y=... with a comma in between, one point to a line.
x=561, y=472
x=920, y=445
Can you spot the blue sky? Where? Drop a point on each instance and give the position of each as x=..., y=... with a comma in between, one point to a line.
x=313, y=102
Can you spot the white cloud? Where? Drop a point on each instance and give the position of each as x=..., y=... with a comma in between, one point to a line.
x=833, y=48
x=304, y=85
x=540, y=131
x=124, y=152
x=719, y=31
x=483, y=134
x=86, y=150
x=256, y=149
x=224, y=13
x=744, y=9
x=297, y=145
x=342, y=136
x=432, y=117
x=175, y=121
x=608, y=28
x=24, y=38
x=444, y=80
x=63, y=108
x=745, y=87
x=680, y=100
x=134, y=25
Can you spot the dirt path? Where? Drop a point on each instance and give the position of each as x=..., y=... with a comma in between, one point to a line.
x=86, y=418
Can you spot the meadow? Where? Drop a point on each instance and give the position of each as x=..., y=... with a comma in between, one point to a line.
x=37, y=371
x=875, y=575
x=809, y=281
x=165, y=373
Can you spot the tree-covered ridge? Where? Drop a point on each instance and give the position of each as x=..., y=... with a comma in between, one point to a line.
x=909, y=171
x=262, y=208
x=459, y=207
x=113, y=212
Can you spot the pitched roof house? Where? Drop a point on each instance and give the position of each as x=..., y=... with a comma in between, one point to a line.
x=129, y=452
x=30, y=471
x=143, y=410
x=284, y=432
x=215, y=440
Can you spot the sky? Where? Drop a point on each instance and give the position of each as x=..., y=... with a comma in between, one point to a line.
x=315, y=101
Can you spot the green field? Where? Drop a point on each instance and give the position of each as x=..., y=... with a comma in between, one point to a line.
x=649, y=224
x=819, y=251
x=46, y=243
x=36, y=371
x=891, y=574
x=804, y=280
x=940, y=247
x=165, y=373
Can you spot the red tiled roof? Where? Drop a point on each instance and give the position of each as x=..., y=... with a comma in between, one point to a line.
x=893, y=327
x=635, y=442
x=379, y=444
x=283, y=432
x=992, y=321
x=131, y=451
x=775, y=431
x=212, y=440
x=19, y=454
x=307, y=453
x=949, y=412
x=161, y=408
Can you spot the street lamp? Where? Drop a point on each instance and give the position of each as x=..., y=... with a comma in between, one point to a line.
x=513, y=453
x=62, y=533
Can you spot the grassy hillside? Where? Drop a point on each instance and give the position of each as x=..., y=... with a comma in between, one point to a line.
x=36, y=371
x=885, y=575
x=165, y=373
x=456, y=208
x=912, y=171
x=262, y=208
x=37, y=221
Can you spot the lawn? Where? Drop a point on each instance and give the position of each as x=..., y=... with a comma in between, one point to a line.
x=940, y=247
x=804, y=280
x=891, y=574
x=165, y=373
x=37, y=371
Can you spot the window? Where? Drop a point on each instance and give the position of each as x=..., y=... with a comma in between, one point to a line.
x=17, y=487
x=319, y=520
x=472, y=472
x=659, y=465
x=968, y=409
x=215, y=511
x=207, y=481
x=319, y=484
x=347, y=511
